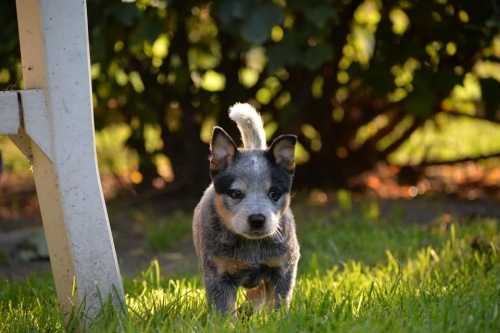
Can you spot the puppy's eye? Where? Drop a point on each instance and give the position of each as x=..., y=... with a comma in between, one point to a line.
x=235, y=194
x=274, y=194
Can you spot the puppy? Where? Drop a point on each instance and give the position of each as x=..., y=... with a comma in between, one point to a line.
x=243, y=228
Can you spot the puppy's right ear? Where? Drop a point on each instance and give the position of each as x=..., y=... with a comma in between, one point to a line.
x=283, y=152
x=223, y=150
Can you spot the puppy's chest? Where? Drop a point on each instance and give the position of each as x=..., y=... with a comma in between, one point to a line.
x=248, y=273
x=248, y=267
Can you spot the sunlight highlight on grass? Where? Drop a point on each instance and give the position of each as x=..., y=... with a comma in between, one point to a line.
x=356, y=275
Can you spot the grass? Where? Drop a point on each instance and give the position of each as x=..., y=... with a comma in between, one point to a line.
x=163, y=233
x=356, y=275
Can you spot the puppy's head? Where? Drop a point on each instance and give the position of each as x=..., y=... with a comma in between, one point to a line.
x=252, y=186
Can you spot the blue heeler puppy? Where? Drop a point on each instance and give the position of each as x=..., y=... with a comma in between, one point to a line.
x=243, y=228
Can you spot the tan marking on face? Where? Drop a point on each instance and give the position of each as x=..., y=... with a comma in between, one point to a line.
x=268, y=186
x=223, y=211
x=229, y=266
x=286, y=205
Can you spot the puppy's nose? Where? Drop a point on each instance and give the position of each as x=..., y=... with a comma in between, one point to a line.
x=256, y=221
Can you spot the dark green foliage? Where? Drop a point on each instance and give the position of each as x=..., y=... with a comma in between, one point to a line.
x=178, y=65
x=250, y=20
x=490, y=89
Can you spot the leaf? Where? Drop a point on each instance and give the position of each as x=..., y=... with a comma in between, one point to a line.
x=315, y=57
x=308, y=31
x=240, y=8
x=229, y=10
x=319, y=15
x=99, y=50
x=257, y=25
x=281, y=54
x=422, y=100
x=182, y=81
x=445, y=79
x=125, y=12
x=148, y=29
x=378, y=76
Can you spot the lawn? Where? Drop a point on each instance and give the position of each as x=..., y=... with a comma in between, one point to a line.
x=356, y=274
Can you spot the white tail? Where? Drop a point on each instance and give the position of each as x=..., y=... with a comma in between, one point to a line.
x=250, y=125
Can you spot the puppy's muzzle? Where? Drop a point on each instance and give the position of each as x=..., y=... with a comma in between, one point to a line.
x=256, y=221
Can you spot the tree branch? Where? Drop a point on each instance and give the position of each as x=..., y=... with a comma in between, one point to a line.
x=396, y=144
x=458, y=161
x=458, y=115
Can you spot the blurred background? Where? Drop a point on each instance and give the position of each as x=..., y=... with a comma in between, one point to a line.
x=391, y=99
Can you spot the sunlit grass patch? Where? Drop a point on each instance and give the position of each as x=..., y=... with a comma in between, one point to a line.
x=355, y=275
x=30, y=306
x=327, y=241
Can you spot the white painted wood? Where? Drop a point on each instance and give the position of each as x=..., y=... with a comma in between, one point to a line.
x=10, y=122
x=9, y=113
x=36, y=119
x=23, y=142
x=55, y=59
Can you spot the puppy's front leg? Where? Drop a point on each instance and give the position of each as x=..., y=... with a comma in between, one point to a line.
x=221, y=293
x=282, y=288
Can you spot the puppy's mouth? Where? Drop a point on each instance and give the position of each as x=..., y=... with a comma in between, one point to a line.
x=256, y=234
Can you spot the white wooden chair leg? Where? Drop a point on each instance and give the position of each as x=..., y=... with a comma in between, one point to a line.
x=55, y=59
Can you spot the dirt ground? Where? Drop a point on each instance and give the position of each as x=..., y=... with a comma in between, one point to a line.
x=130, y=246
x=130, y=240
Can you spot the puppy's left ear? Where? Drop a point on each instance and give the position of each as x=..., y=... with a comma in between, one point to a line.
x=282, y=152
x=223, y=150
